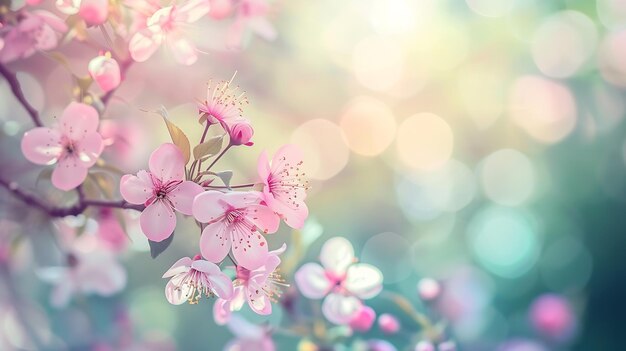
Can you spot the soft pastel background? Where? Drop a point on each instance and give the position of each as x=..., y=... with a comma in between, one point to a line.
x=479, y=142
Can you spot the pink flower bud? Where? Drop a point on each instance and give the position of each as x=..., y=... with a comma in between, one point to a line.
x=94, y=12
x=388, y=323
x=105, y=72
x=425, y=346
x=220, y=9
x=241, y=133
x=552, y=316
x=363, y=320
x=428, y=289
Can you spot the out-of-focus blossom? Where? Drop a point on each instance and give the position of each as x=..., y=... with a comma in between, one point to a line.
x=166, y=26
x=36, y=30
x=284, y=189
x=380, y=345
x=190, y=279
x=363, y=320
x=447, y=346
x=241, y=133
x=122, y=140
x=162, y=190
x=33, y=2
x=429, y=346
x=425, y=346
x=105, y=71
x=94, y=12
x=74, y=145
x=251, y=16
x=234, y=220
x=90, y=269
x=521, y=345
x=552, y=316
x=388, y=323
x=221, y=9
x=110, y=230
x=258, y=287
x=248, y=336
x=340, y=280
x=428, y=289
x=224, y=104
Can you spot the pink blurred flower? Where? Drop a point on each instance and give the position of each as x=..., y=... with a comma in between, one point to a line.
x=380, y=345
x=190, y=279
x=248, y=336
x=221, y=9
x=258, y=287
x=521, y=345
x=428, y=289
x=94, y=12
x=363, y=320
x=429, y=346
x=105, y=71
x=388, y=323
x=425, y=346
x=166, y=26
x=552, y=316
x=241, y=133
x=162, y=190
x=224, y=104
x=234, y=220
x=284, y=188
x=74, y=145
x=340, y=280
x=110, y=230
x=33, y=2
x=251, y=16
x=36, y=30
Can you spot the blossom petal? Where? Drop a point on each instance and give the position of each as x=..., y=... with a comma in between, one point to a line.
x=243, y=329
x=144, y=43
x=184, y=50
x=205, y=267
x=78, y=120
x=263, y=167
x=340, y=309
x=90, y=148
x=364, y=280
x=259, y=302
x=215, y=242
x=177, y=294
x=221, y=311
x=312, y=281
x=286, y=154
x=182, y=196
x=222, y=285
x=336, y=255
x=42, y=145
x=264, y=218
x=178, y=267
x=249, y=248
x=102, y=275
x=135, y=189
x=68, y=174
x=193, y=10
x=167, y=163
x=158, y=221
x=208, y=206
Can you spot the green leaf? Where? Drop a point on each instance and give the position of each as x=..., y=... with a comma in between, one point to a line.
x=225, y=176
x=156, y=248
x=178, y=137
x=208, y=148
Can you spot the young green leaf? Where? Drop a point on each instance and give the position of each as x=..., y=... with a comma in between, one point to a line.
x=178, y=136
x=208, y=148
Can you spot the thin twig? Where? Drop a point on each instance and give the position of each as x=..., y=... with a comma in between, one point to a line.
x=16, y=88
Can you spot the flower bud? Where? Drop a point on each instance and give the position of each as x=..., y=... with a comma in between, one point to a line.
x=105, y=72
x=388, y=323
x=552, y=316
x=220, y=9
x=363, y=320
x=424, y=346
x=428, y=289
x=94, y=12
x=241, y=133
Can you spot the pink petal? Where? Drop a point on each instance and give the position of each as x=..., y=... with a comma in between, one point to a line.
x=205, y=267
x=62, y=293
x=241, y=199
x=52, y=20
x=264, y=218
x=167, y=163
x=252, y=252
x=364, y=280
x=184, y=51
x=89, y=149
x=178, y=267
x=42, y=145
x=222, y=285
x=312, y=281
x=263, y=167
x=287, y=153
x=238, y=299
x=259, y=302
x=68, y=174
x=175, y=293
x=336, y=255
x=293, y=215
x=209, y=206
x=94, y=12
x=363, y=320
x=193, y=10
x=103, y=276
x=221, y=311
x=135, y=189
x=144, y=43
x=158, y=221
x=339, y=309
x=243, y=329
x=78, y=120
x=183, y=195
x=215, y=242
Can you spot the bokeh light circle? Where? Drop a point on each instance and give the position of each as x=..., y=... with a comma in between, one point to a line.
x=507, y=177
x=369, y=125
x=378, y=62
x=390, y=253
x=504, y=241
x=324, y=146
x=611, y=58
x=490, y=8
x=612, y=13
x=424, y=141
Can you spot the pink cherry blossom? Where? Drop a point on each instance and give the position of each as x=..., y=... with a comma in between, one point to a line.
x=224, y=104
x=105, y=71
x=234, y=220
x=110, y=230
x=165, y=26
x=284, y=188
x=73, y=145
x=192, y=278
x=428, y=289
x=388, y=323
x=339, y=280
x=552, y=316
x=251, y=16
x=258, y=287
x=163, y=190
x=241, y=133
x=221, y=9
x=363, y=320
x=94, y=12
x=248, y=336
x=36, y=30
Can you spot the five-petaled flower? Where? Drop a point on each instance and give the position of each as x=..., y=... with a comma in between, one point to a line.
x=36, y=30
x=340, y=280
x=162, y=190
x=192, y=278
x=74, y=145
x=284, y=188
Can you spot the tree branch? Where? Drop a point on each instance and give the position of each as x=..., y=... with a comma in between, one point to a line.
x=16, y=88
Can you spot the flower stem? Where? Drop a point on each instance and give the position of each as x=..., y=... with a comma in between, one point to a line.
x=16, y=88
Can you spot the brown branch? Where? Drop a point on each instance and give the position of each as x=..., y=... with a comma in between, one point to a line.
x=16, y=88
